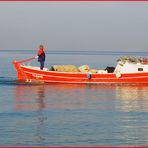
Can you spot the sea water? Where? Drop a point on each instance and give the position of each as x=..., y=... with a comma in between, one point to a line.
x=71, y=114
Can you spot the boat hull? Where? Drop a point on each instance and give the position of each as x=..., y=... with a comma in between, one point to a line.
x=29, y=74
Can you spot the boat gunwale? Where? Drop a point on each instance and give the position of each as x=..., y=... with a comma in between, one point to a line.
x=114, y=73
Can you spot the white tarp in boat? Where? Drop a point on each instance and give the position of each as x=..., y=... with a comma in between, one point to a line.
x=84, y=68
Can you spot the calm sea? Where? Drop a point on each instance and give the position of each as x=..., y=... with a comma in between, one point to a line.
x=71, y=114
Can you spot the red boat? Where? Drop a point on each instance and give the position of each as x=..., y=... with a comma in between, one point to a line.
x=126, y=71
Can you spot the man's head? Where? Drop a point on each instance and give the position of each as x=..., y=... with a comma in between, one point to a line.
x=41, y=46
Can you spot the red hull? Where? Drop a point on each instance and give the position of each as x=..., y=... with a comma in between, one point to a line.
x=30, y=74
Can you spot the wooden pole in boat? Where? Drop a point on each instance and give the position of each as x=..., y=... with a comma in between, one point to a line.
x=29, y=59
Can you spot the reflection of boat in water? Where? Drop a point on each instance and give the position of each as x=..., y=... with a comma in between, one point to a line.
x=132, y=98
x=63, y=96
x=32, y=100
x=93, y=110
x=55, y=96
x=128, y=71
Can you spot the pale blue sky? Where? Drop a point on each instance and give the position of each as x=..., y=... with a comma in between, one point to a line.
x=117, y=26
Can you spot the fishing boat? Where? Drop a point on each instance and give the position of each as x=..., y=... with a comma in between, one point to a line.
x=129, y=70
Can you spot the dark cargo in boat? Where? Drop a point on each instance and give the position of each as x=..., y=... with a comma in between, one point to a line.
x=110, y=69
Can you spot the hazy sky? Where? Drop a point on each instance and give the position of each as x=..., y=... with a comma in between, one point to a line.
x=118, y=26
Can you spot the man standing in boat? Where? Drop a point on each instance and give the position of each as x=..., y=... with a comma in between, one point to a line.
x=41, y=56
